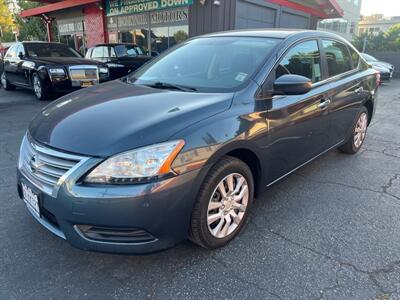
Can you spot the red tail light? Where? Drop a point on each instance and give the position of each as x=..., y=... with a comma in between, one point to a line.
x=378, y=79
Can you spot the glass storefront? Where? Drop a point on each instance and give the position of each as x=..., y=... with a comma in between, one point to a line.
x=155, y=31
x=71, y=32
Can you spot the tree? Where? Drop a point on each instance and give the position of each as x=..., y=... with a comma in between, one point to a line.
x=393, y=38
x=180, y=36
x=389, y=41
x=6, y=20
x=32, y=28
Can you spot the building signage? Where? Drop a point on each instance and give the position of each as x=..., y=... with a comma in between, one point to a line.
x=125, y=7
x=176, y=16
x=69, y=28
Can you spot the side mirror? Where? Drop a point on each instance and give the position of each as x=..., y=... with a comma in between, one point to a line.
x=21, y=55
x=292, y=85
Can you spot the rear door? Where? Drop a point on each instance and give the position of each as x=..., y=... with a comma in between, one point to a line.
x=22, y=67
x=347, y=91
x=298, y=124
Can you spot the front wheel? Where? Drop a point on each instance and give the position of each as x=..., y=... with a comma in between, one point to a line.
x=6, y=84
x=223, y=204
x=358, y=135
x=39, y=88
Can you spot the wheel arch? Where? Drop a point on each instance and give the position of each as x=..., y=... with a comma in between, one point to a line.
x=248, y=154
x=369, y=104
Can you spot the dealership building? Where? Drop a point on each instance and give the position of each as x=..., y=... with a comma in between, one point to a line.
x=160, y=24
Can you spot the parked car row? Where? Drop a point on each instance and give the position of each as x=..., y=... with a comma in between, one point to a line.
x=180, y=148
x=385, y=69
x=51, y=69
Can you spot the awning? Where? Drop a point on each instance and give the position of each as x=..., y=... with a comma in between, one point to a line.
x=323, y=9
x=37, y=11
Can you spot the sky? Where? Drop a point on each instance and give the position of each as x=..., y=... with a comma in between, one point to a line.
x=386, y=7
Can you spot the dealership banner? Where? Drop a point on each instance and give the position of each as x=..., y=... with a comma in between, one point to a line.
x=125, y=7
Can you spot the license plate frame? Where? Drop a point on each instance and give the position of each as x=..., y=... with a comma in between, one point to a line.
x=85, y=84
x=31, y=199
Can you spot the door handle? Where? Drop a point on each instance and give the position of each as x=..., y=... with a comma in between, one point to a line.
x=359, y=90
x=324, y=103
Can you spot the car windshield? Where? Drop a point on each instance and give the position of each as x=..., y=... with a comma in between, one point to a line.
x=128, y=51
x=368, y=57
x=212, y=64
x=50, y=50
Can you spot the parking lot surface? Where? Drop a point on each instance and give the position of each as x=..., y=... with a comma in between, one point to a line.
x=329, y=231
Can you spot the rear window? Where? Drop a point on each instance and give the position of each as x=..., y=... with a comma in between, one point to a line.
x=128, y=51
x=337, y=56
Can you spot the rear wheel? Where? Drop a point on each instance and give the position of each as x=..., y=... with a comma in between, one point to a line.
x=39, y=88
x=223, y=204
x=6, y=84
x=358, y=135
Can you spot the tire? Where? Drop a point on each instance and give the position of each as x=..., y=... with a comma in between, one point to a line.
x=6, y=84
x=358, y=134
x=210, y=204
x=39, y=88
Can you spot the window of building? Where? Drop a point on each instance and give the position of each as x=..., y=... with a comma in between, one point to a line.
x=337, y=56
x=303, y=59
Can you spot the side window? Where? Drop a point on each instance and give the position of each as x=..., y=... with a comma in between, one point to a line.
x=355, y=57
x=337, y=57
x=11, y=52
x=20, y=49
x=100, y=52
x=303, y=59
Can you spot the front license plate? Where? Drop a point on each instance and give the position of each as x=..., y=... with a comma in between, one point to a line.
x=86, y=83
x=31, y=199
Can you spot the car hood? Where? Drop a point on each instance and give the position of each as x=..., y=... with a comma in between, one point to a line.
x=67, y=61
x=116, y=117
x=381, y=64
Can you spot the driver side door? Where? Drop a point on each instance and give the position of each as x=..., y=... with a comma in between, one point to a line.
x=298, y=124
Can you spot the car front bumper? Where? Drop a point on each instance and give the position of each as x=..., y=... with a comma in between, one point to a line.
x=133, y=219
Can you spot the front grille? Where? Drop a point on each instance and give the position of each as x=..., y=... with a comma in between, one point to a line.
x=43, y=166
x=83, y=73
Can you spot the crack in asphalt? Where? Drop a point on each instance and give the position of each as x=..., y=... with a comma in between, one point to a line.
x=383, y=191
x=383, y=152
x=371, y=274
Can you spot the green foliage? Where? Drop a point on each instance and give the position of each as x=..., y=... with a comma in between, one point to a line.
x=32, y=28
x=389, y=41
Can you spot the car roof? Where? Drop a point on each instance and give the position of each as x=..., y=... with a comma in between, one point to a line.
x=275, y=33
x=115, y=44
x=41, y=42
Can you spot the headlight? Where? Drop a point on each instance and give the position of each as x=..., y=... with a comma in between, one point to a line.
x=57, y=71
x=103, y=70
x=142, y=164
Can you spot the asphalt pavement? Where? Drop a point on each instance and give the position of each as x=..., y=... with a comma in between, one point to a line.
x=329, y=231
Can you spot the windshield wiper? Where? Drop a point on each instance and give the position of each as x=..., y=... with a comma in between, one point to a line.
x=165, y=85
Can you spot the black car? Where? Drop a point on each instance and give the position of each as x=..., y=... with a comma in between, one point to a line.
x=121, y=59
x=49, y=69
x=181, y=147
x=385, y=69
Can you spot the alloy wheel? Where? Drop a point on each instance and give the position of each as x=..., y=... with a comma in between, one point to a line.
x=37, y=87
x=227, y=205
x=3, y=81
x=360, y=130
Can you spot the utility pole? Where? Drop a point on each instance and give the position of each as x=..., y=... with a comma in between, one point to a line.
x=364, y=44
